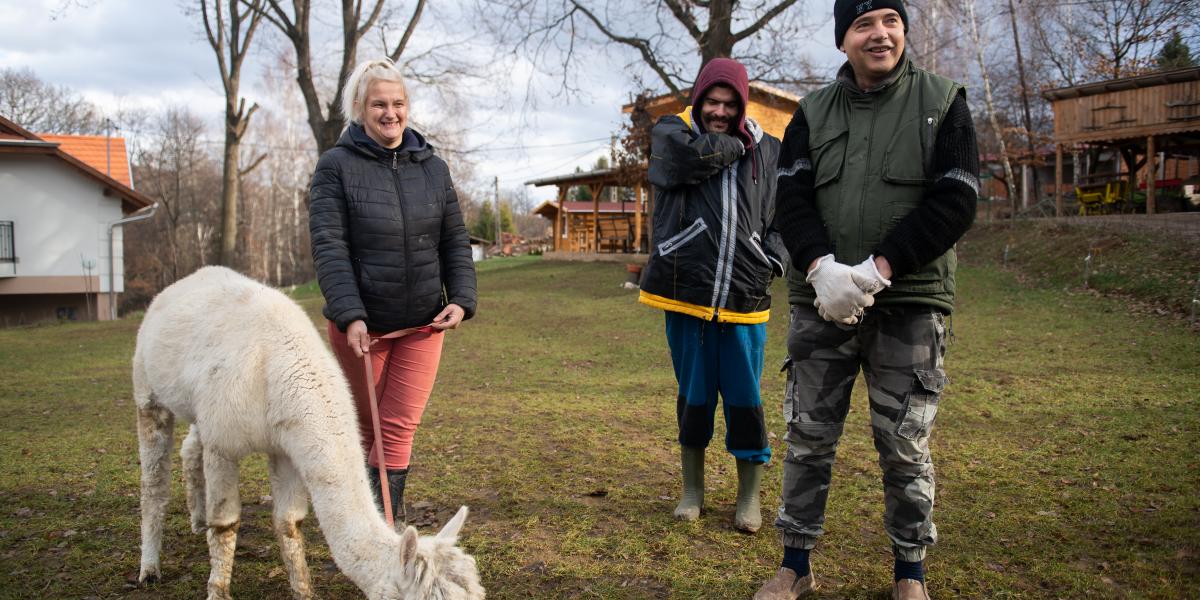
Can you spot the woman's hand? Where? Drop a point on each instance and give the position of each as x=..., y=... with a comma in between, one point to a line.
x=357, y=338
x=449, y=318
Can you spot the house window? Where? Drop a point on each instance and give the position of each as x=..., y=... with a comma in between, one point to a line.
x=7, y=250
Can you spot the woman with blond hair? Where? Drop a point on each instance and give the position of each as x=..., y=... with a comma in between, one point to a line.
x=392, y=255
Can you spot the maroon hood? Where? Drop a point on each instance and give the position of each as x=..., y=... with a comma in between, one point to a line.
x=731, y=73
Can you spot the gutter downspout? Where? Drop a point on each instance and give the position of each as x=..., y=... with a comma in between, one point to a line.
x=136, y=216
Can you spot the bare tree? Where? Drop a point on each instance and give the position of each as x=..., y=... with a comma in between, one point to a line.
x=980, y=42
x=1106, y=39
x=176, y=170
x=229, y=32
x=276, y=224
x=295, y=24
x=44, y=108
x=667, y=36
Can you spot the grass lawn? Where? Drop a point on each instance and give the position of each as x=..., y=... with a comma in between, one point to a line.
x=1065, y=447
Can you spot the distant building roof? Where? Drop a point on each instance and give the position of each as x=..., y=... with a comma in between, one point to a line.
x=1124, y=83
x=549, y=208
x=581, y=178
x=15, y=139
x=105, y=154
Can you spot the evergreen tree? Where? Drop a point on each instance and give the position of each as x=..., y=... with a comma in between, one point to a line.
x=1175, y=54
x=485, y=225
x=506, y=217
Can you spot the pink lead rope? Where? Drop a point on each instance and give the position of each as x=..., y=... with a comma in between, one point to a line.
x=378, y=446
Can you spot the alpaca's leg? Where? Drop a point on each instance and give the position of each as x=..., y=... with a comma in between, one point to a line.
x=193, y=477
x=291, y=506
x=155, y=428
x=223, y=508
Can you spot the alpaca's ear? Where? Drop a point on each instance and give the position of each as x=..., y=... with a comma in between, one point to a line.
x=408, y=545
x=450, y=531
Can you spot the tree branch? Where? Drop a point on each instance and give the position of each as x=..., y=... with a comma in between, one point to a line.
x=685, y=18
x=253, y=165
x=408, y=31
x=642, y=46
x=762, y=21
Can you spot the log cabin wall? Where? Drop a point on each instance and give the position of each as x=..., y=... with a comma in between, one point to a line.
x=1128, y=113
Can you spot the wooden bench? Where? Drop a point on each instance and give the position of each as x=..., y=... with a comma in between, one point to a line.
x=616, y=233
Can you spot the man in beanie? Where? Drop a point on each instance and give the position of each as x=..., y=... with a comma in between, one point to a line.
x=878, y=181
x=714, y=256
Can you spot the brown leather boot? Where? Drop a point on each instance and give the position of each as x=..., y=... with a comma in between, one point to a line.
x=909, y=589
x=785, y=585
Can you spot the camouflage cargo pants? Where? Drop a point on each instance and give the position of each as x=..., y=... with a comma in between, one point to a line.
x=900, y=352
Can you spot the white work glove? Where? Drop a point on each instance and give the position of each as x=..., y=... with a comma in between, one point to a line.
x=840, y=295
x=875, y=282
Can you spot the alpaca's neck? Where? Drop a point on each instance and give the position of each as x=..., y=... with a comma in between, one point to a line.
x=325, y=450
x=358, y=536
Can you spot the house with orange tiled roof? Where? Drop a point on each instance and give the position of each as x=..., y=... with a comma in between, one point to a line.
x=102, y=153
x=64, y=201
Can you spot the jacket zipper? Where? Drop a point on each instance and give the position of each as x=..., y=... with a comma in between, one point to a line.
x=404, y=224
x=672, y=244
x=728, y=241
x=756, y=243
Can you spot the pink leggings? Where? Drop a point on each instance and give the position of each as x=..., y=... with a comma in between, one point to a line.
x=404, y=370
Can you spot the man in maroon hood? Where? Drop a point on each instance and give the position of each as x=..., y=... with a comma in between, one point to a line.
x=715, y=253
x=719, y=97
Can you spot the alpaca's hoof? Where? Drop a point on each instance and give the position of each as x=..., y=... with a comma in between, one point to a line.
x=198, y=526
x=149, y=575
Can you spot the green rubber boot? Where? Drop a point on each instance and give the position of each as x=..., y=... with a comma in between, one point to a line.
x=748, y=516
x=693, y=484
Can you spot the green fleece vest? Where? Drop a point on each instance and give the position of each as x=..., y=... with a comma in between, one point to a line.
x=872, y=158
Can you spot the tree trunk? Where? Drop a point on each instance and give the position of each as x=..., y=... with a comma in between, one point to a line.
x=1032, y=158
x=717, y=41
x=229, y=193
x=991, y=107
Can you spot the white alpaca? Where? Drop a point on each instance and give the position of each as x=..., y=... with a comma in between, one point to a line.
x=245, y=366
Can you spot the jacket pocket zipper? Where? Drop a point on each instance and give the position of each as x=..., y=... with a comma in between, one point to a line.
x=756, y=243
x=674, y=242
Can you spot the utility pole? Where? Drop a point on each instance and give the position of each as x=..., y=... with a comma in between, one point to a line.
x=496, y=205
x=108, y=127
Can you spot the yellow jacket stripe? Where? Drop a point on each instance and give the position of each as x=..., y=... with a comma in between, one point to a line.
x=703, y=312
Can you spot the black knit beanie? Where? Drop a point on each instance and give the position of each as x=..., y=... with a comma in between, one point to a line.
x=846, y=11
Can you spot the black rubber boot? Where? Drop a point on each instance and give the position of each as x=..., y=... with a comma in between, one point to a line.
x=396, y=481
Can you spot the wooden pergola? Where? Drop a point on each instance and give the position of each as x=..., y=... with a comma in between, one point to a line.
x=1136, y=116
x=608, y=227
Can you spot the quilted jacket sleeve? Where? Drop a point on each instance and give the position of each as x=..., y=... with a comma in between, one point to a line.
x=327, y=226
x=454, y=252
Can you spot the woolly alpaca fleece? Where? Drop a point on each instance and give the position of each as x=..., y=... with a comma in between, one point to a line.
x=245, y=366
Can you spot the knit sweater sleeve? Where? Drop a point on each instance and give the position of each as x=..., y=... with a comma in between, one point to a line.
x=948, y=209
x=796, y=216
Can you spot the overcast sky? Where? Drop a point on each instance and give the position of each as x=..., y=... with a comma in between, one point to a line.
x=149, y=53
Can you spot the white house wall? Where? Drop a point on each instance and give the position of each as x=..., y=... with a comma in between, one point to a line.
x=60, y=218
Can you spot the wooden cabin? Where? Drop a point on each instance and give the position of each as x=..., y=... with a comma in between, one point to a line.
x=618, y=223
x=605, y=225
x=1140, y=118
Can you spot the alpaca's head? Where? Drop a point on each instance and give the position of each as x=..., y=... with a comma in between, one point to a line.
x=433, y=567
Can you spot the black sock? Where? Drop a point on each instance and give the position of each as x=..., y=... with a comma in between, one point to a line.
x=910, y=570
x=796, y=559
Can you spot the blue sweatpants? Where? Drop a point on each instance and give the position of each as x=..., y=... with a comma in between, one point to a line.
x=711, y=357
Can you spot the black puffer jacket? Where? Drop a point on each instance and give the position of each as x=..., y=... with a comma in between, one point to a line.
x=388, y=238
